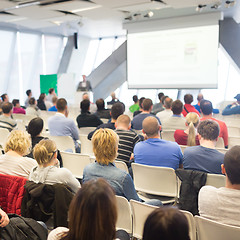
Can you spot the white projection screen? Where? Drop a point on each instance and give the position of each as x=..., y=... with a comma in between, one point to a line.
x=174, y=58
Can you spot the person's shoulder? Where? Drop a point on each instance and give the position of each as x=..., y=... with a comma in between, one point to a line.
x=207, y=191
x=192, y=149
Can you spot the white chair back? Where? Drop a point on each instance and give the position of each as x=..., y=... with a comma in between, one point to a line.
x=104, y=120
x=124, y=220
x=168, y=135
x=121, y=165
x=86, y=145
x=208, y=229
x=191, y=224
x=3, y=136
x=232, y=141
x=220, y=143
x=75, y=163
x=160, y=181
x=222, y=150
x=216, y=180
x=233, y=131
x=86, y=130
x=63, y=143
x=183, y=147
x=140, y=213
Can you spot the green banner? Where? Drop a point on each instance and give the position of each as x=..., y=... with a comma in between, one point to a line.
x=48, y=81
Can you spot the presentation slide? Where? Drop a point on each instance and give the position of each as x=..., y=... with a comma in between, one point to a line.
x=175, y=58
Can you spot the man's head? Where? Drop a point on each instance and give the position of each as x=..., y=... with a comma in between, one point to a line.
x=147, y=105
x=177, y=107
x=100, y=104
x=151, y=127
x=117, y=110
x=16, y=103
x=85, y=105
x=61, y=104
x=51, y=90
x=208, y=130
x=160, y=95
x=32, y=101
x=232, y=164
x=113, y=95
x=168, y=103
x=7, y=108
x=206, y=107
x=85, y=96
x=29, y=93
x=54, y=100
x=5, y=97
x=123, y=122
x=141, y=102
x=163, y=99
x=135, y=98
x=200, y=97
x=188, y=98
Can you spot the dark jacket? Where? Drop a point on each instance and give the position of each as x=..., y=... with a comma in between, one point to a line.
x=192, y=181
x=87, y=119
x=41, y=201
x=104, y=113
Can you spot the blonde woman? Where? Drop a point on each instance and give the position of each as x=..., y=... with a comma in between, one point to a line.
x=18, y=144
x=189, y=136
x=47, y=171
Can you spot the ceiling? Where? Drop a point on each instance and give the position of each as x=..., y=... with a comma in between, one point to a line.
x=98, y=18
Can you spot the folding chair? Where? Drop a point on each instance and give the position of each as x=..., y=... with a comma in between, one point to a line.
x=220, y=143
x=86, y=130
x=86, y=145
x=168, y=135
x=121, y=165
x=191, y=224
x=216, y=180
x=232, y=141
x=63, y=143
x=3, y=136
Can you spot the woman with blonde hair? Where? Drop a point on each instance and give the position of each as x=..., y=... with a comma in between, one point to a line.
x=13, y=162
x=48, y=171
x=189, y=136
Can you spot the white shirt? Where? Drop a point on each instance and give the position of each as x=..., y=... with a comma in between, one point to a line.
x=165, y=114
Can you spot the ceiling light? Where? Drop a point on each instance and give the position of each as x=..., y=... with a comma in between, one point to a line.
x=85, y=9
x=149, y=14
x=229, y=4
x=216, y=6
x=200, y=7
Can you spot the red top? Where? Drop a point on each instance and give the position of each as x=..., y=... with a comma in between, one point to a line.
x=223, y=129
x=181, y=137
x=19, y=110
x=190, y=108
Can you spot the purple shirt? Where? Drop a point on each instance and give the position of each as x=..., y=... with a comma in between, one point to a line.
x=19, y=110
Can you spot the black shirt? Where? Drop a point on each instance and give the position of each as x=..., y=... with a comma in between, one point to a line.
x=87, y=119
x=110, y=125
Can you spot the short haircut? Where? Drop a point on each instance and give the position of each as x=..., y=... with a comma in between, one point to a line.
x=105, y=145
x=135, y=98
x=208, y=129
x=7, y=107
x=85, y=96
x=150, y=126
x=206, y=107
x=28, y=92
x=160, y=95
x=188, y=98
x=44, y=151
x=54, y=99
x=100, y=104
x=177, y=107
x=167, y=223
x=141, y=101
x=18, y=141
x=147, y=104
x=200, y=97
x=15, y=102
x=4, y=96
x=50, y=90
x=168, y=102
x=35, y=127
x=232, y=164
x=123, y=120
x=42, y=96
x=84, y=105
x=32, y=101
x=117, y=110
x=61, y=104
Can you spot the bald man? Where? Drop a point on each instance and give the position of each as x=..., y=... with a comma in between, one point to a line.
x=155, y=151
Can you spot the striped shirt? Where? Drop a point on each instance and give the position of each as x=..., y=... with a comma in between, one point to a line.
x=7, y=122
x=17, y=166
x=127, y=141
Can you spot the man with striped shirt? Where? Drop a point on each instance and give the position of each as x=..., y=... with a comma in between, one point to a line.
x=6, y=120
x=127, y=138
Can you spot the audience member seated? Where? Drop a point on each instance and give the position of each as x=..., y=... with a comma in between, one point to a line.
x=114, y=99
x=12, y=162
x=117, y=110
x=204, y=157
x=176, y=121
x=54, y=102
x=5, y=98
x=222, y=204
x=127, y=138
x=199, y=99
x=102, y=112
x=60, y=125
x=92, y=214
x=48, y=171
x=155, y=151
x=32, y=109
x=86, y=119
x=188, y=99
x=4, y=221
x=105, y=147
x=6, y=120
x=158, y=107
x=167, y=112
x=51, y=94
x=140, y=106
x=29, y=95
x=233, y=108
x=207, y=110
x=93, y=107
x=41, y=102
x=17, y=108
x=147, y=108
x=189, y=136
x=166, y=224
x=135, y=107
